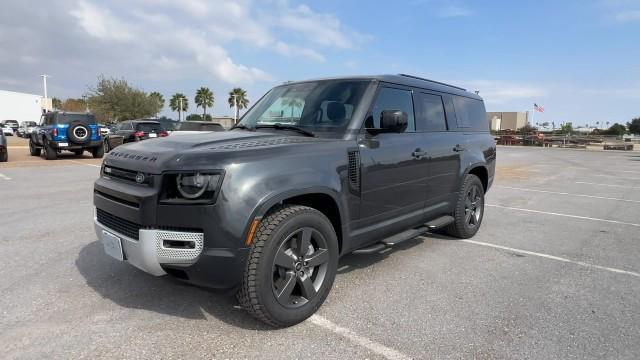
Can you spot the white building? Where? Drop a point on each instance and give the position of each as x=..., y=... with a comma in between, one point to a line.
x=21, y=106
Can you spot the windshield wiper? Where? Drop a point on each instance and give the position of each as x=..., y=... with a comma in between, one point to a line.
x=242, y=126
x=279, y=126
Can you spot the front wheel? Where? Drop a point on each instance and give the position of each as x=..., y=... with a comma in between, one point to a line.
x=291, y=266
x=469, y=209
x=33, y=150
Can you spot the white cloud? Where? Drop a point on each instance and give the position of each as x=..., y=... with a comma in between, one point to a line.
x=100, y=22
x=628, y=16
x=501, y=92
x=292, y=50
x=453, y=11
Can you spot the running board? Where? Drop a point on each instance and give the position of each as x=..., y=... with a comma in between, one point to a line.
x=406, y=235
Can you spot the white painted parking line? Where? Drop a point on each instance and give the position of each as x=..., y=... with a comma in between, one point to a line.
x=357, y=339
x=629, y=171
x=616, y=176
x=565, y=215
x=4, y=177
x=566, y=193
x=81, y=163
x=609, y=185
x=552, y=257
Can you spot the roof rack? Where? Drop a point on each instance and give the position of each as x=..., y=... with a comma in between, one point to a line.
x=433, y=81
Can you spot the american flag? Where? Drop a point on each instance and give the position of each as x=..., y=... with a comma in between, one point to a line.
x=538, y=108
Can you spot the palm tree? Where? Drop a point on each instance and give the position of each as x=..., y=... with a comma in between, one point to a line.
x=238, y=100
x=292, y=102
x=159, y=100
x=204, y=99
x=175, y=103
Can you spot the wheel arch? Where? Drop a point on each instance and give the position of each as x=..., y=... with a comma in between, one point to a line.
x=322, y=199
x=480, y=170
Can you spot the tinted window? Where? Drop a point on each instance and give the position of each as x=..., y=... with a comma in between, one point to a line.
x=470, y=113
x=65, y=118
x=430, y=113
x=392, y=99
x=148, y=127
x=196, y=126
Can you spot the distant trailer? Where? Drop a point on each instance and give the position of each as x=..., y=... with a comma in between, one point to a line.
x=20, y=106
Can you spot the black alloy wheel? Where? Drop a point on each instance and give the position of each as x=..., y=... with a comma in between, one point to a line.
x=469, y=209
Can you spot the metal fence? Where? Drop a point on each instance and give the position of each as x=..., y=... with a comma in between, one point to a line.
x=606, y=142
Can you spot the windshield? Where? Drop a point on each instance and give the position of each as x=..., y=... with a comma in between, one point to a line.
x=65, y=118
x=148, y=127
x=322, y=107
x=191, y=126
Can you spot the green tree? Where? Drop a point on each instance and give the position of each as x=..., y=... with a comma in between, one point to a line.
x=634, y=126
x=194, y=117
x=204, y=99
x=115, y=100
x=56, y=103
x=566, y=128
x=174, y=104
x=238, y=100
x=292, y=103
x=75, y=105
x=616, y=129
x=159, y=99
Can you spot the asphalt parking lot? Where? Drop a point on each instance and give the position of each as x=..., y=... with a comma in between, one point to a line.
x=553, y=273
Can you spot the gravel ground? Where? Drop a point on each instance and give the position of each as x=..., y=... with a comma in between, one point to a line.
x=553, y=273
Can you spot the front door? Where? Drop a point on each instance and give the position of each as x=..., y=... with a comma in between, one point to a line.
x=394, y=170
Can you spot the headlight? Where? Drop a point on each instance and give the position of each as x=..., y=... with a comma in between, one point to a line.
x=190, y=187
x=193, y=186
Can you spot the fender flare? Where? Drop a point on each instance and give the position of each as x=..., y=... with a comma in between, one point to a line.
x=267, y=202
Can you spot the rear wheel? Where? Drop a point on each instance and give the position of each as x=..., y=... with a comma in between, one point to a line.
x=78, y=152
x=105, y=146
x=469, y=209
x=48, y=152
x=33, y=150
x=291, y=266
x=97, y=152
x=4, y=156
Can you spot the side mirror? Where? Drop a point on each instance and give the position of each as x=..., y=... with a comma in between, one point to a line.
x=393, y=121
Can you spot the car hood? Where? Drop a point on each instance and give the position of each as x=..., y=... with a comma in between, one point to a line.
x=198, y=151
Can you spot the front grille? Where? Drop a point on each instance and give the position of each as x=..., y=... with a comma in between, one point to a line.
x=118, y=224
x=124, y=174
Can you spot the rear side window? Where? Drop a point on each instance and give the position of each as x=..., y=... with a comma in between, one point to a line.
x=470, y=114
x=392, y=99
x=429, y=113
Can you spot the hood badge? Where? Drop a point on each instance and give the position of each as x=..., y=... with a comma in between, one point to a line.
x=140, y=178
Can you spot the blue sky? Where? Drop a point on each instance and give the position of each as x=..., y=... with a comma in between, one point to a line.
x=579, y=59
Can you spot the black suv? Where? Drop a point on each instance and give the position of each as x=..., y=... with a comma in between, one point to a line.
x=315, y=170
x=133, y=130
x=70, y=131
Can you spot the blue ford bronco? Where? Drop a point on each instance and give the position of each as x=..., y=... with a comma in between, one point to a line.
x=70, y=131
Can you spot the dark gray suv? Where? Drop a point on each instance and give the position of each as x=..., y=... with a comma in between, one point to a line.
x=314, y=170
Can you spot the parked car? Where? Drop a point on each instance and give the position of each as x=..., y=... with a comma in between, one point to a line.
x=7, y=130
x=104, y=130
x=13, y=124
x=195, y=127
x=66, y=131
x=26, y=128
x=131, y=131
x=361, y=164
x=4, y=151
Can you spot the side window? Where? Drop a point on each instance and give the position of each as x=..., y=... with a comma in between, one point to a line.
x=470, y=113
x=430, y=113
x=392, y=99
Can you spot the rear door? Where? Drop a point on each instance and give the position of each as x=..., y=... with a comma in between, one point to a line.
x=394, y=173
x=444, y=157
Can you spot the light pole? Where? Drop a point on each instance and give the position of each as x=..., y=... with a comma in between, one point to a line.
x=44, y=83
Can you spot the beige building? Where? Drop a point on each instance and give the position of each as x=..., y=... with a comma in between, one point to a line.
x=507, y=120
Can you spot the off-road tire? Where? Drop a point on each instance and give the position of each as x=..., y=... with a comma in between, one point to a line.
x=33, y=150
x=97, y=152
x=48, y=152
x=256, y=294
x=4, y=156
x=78, y=152
x=460, y=227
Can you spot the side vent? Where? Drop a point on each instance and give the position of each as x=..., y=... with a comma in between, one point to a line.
x=354, y=169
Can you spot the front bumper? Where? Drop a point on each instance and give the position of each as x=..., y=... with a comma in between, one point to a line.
x=155, y=248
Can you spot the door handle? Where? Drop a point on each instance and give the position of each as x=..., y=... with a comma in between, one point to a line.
x=458, y=148
x=418, y=153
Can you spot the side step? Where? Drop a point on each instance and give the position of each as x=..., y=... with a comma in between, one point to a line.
x=406, y=235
